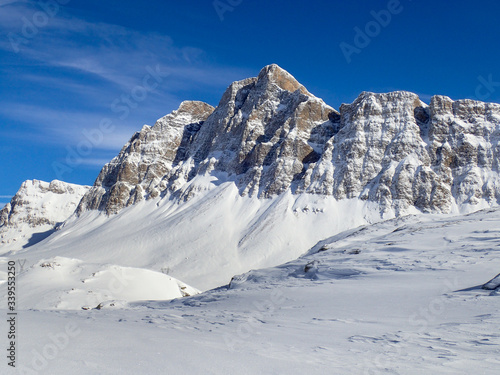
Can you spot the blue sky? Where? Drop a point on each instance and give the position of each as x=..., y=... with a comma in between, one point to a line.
x=80, y=77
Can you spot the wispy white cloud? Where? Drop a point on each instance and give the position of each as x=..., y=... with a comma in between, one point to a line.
x=57, y=126
x=116, y=58
x=99, y=162
x=111, y=52
x=11, y=16
x=6, y=2
x=5, y=196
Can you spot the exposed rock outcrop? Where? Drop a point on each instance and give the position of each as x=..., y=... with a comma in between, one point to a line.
x=261, y=134
x=37, y=207
x=269, y=134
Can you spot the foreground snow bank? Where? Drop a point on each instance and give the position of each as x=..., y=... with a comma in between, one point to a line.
x=69, y=284
x=399, y=297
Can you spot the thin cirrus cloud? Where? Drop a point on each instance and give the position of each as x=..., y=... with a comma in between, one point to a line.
x=111, y=52
x=114, y=54
x=60, y=127
x=7, y=2
x=90, y=65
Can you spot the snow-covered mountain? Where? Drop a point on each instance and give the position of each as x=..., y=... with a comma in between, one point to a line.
x=211, y=192
x=269, y=135
x=303, y=227
x=35, y=210
x=262, y=135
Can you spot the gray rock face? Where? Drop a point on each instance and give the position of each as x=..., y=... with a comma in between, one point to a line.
x=263, y=134
x=144, y=165
x=399, y=152
x=38, y=203
x=269, y=134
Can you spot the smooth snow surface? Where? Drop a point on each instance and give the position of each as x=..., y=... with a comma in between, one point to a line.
x=403, y=296
x=70, y=284
x=207, y=240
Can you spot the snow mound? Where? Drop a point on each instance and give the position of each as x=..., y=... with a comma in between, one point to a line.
x=71, y=284
x=388, y=298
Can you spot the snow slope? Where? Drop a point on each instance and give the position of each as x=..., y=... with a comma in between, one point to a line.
x=207, y=240
x=403, y=296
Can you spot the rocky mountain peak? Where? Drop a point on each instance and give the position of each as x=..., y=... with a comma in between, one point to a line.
x=195, y=109
x=273, y=74
x=263, y=128
x=269, y=135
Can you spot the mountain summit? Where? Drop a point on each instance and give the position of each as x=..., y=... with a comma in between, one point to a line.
x=269, y=134
x=262, y=135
